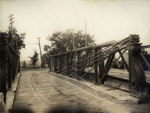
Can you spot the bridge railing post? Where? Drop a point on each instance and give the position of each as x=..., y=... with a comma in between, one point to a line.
x=95, y=64
x=55, y=64
x=78, y=60
x=59, y=63
x=51, y=63
x=62, y=64
x=136, y=72
x=67, y=63
x=101, y=66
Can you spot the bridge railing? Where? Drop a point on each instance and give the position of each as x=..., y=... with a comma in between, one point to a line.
x=101, y=58
x=9, y=62
x=145, y=57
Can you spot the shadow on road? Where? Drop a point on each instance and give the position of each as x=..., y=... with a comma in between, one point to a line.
x=52, y=110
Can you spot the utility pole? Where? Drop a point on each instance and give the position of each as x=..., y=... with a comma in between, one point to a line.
x=11, y=21
x=40, y=50
x=85, y=32
x=71, y=29
x=11, y=27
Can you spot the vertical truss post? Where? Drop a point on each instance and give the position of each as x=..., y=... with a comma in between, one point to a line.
x=59, y=62
x=67, y=62
x=101, y=66
x=63, y=62
x=136, y=72
x=55, y=64
x=95, y=64
x=50, y=63
x=78, y=59
x=87, y=56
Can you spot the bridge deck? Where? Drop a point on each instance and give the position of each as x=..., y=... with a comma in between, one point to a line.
x=41, y=91
x=120, y=73
x=123, y=74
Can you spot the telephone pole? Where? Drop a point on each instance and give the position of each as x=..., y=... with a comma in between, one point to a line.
x=40, y=51
x=85, y=32
x=71, y=29
x=11, y=21
x=11, y=28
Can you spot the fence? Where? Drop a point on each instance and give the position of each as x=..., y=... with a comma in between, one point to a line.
x=9, y=62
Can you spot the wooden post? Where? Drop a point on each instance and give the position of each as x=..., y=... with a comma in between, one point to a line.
x=55, y=64
x=59, y=62
x=67, y=63
x=62, y=64
x=101, y=67
x=52, y=63
x=95, y=64
x=50, y=68
x=78, y=59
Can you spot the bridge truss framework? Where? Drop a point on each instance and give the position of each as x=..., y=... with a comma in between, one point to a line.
x=101, y=58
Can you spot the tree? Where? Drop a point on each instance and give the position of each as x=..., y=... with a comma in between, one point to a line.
x=34, y=58
x=20, y=38
x=62, y=42
x=45, y=60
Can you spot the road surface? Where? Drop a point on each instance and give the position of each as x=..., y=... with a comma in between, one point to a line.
x=43, y=92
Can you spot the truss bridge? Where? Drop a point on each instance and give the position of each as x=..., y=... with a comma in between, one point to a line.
x=93, y=63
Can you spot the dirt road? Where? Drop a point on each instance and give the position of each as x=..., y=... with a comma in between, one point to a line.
x=42, y=91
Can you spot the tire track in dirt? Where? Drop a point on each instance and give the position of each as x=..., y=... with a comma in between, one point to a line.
x=57, y=91
x=73, y=99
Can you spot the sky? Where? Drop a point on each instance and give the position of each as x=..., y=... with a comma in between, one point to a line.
x=107, y=20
